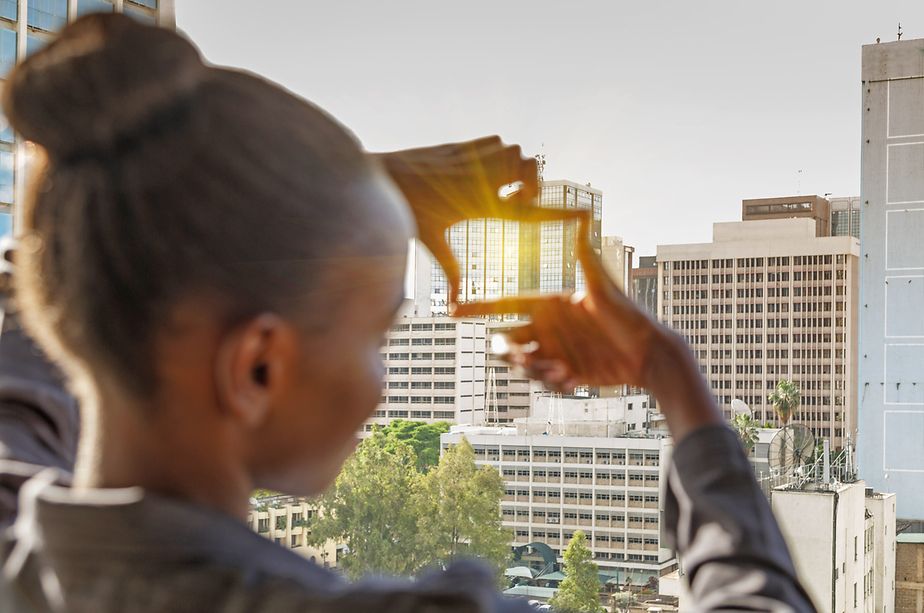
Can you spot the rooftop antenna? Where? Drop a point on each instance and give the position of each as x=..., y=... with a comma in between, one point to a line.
x=540, y=161
x=799, y=182
x=899, y=30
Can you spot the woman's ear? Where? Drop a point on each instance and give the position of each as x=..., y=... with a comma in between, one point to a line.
x=254, y=366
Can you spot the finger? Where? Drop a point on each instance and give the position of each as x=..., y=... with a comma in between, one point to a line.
x=520, y=335
x=521, y=207
x=511, y=305
x=529, y=176
x=595, y=275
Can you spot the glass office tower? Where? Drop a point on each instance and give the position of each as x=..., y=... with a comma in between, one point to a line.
x=503, y=258
x=25, y=27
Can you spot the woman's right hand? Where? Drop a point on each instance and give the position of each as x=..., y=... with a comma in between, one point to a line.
x=604, y=339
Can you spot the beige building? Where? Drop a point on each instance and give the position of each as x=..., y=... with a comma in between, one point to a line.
x=286, y=521
x=610, y=485
x=770, y=300
x=842, y=540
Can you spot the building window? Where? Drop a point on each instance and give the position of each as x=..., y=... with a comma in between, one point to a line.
x=6, y=177
x=47, y=15
x=7, y=51
x=93, y=6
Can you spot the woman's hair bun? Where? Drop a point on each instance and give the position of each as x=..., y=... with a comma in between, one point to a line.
x=102, y=80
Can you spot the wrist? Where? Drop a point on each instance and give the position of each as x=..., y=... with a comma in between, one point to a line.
x=673, y=376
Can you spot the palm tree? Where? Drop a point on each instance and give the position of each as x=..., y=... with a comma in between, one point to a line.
x=746, y=428
x=785, y=400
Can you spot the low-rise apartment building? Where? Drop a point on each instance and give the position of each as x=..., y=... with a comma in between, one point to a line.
x=286, y=521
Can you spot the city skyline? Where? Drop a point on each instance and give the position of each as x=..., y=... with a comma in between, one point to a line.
x=752, y=96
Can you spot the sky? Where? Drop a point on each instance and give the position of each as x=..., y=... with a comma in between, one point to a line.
x=677, y=110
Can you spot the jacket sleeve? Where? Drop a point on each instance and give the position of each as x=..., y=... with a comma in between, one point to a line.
x=38, y=417
x=720, y=523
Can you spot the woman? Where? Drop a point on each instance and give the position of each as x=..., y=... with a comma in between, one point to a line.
x=214, y=263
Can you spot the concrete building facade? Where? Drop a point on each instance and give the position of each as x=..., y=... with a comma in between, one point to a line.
x=813, y=207
x=25, y=27
x=286, y=521
x=891, y=382
x=770, y=300
x=441, y=369
x=842, y=540
x=611, y=487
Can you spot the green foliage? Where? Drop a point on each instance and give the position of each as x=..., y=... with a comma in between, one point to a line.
x=746, y=428
x=460, y=505
x=580, y=590
x=396, y=521
x=371, y=510
x=785, y=400
x=423, y=437
x=623, y=601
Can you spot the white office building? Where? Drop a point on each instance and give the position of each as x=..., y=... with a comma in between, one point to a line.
x=842, y=540
x=609, y=486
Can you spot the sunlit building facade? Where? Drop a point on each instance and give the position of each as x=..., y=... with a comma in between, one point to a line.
x=503, y=258
x=25, y=27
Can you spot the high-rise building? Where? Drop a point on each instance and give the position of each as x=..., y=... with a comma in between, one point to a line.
x=25, y=27
x=434, y=371
x=891, y=382
x=503, y=258
x=845, y=216
x=606, y=484
x=770, y=300
x=441, y=369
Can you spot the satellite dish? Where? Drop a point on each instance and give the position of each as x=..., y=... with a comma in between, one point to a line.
x=791, y=448
x=739, y=406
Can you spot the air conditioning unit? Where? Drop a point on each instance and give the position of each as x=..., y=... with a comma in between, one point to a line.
x=552, y=520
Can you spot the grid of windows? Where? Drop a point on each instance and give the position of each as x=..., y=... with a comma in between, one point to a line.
x=752, y=321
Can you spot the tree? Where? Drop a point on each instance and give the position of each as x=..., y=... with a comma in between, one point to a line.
x=423, y=437
x=623, y=601
x=460, y=510
x=746, y=428
x=579, y=592
x=371, y=509
x=785, y=400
